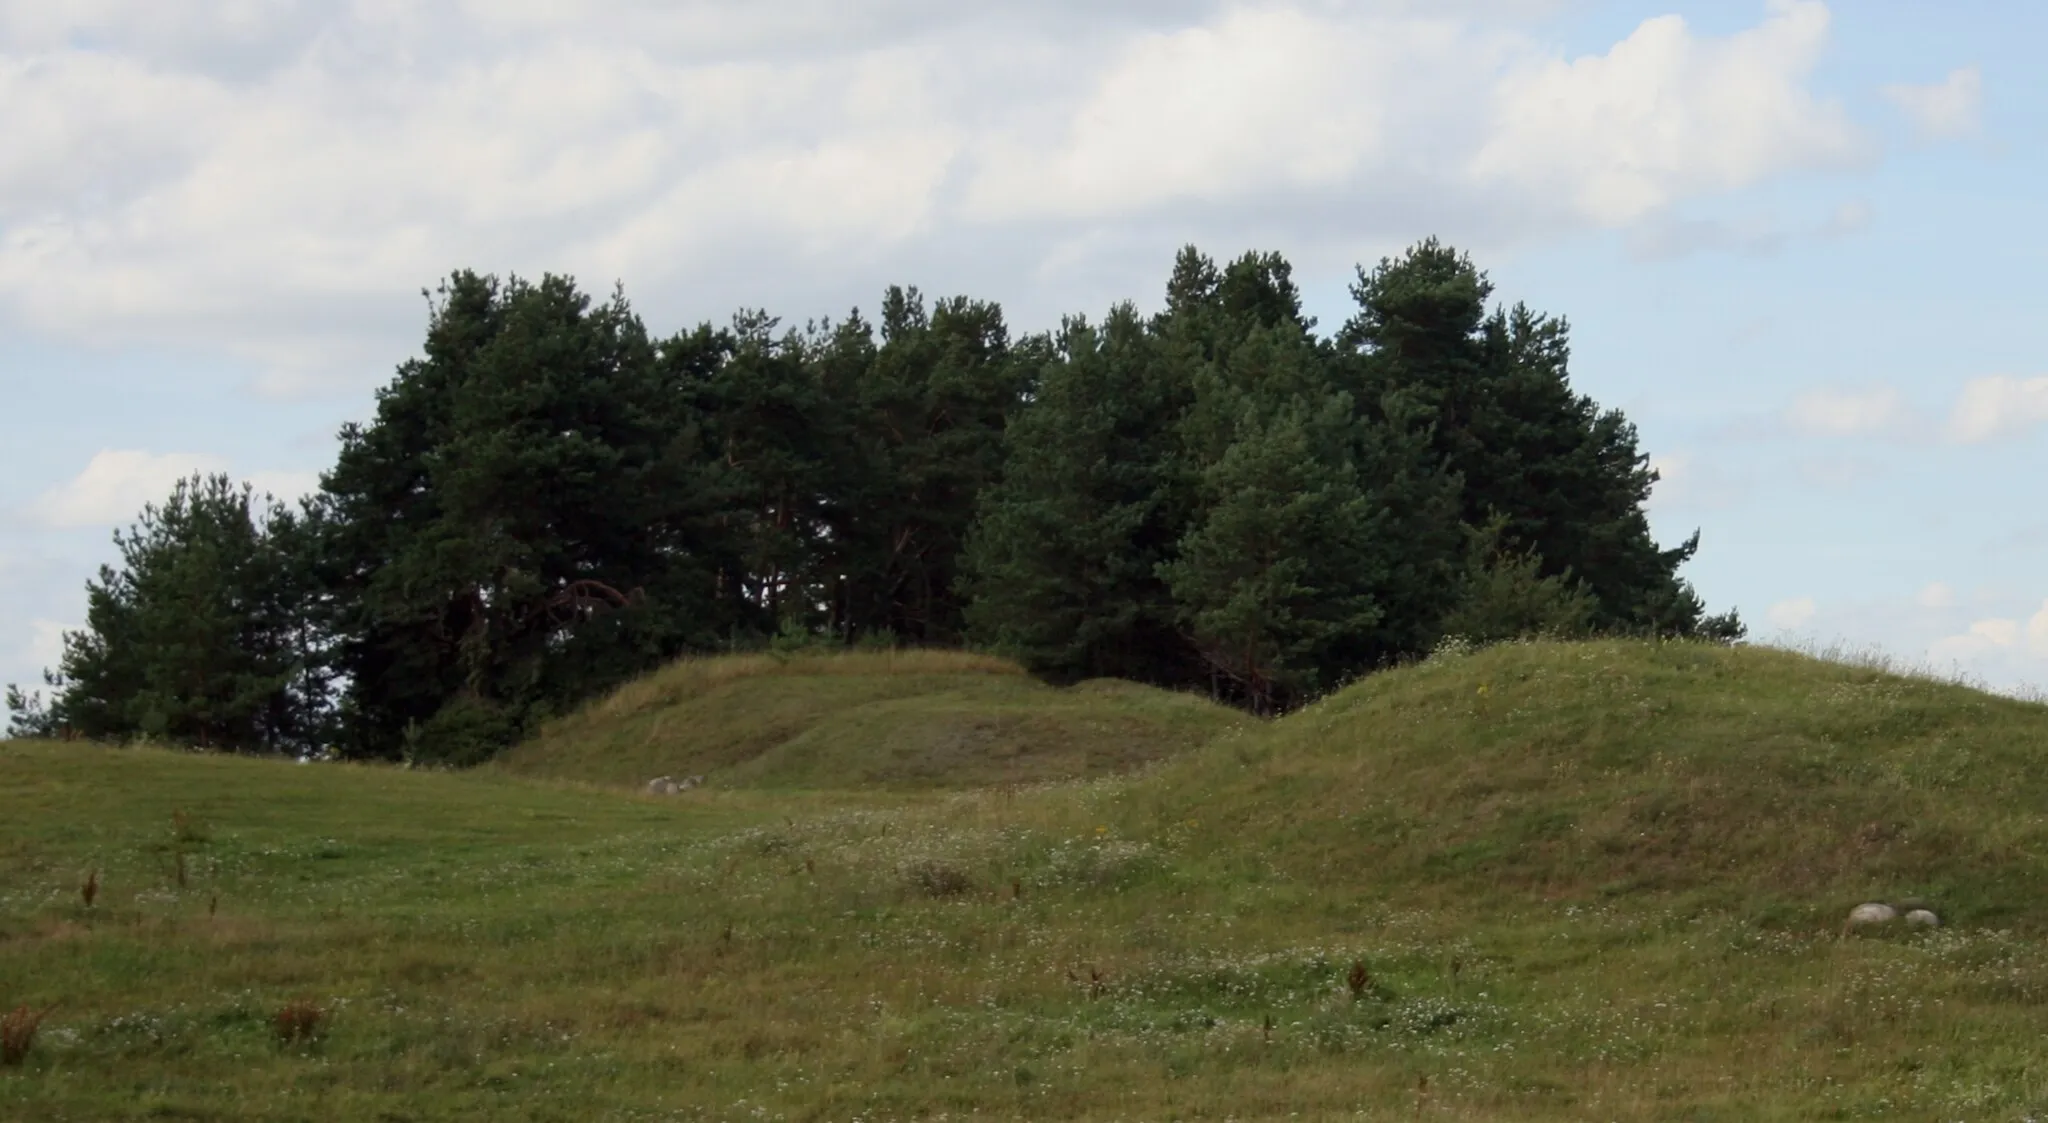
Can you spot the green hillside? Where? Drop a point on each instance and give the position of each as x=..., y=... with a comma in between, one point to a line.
x=1545, y=881
x=865, y=720
x=1757, y=779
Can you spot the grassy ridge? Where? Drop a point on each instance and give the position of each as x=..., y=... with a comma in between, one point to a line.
x=913, y=719
x=1608, y=885
x=1762, y=780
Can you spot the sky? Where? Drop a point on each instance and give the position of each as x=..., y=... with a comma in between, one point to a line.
x=1799, y=244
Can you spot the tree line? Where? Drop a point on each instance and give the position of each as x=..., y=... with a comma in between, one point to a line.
x=551, y=500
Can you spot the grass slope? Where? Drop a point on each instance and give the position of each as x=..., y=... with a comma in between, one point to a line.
x=1756, y=779
x=1607, y=885
x=867, y=720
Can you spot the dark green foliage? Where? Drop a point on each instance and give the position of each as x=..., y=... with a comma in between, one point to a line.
x=1065, y=556
x=1279, y=570
x=29, y=715
x=513, y=530
x=927, y=419
x=548, y=502
x=1506, y=595
x=199, y=637
x=1197, y=502
x=1567, y=479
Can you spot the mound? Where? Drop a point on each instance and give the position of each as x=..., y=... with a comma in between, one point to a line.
x=865, y=719
x=1763, y=778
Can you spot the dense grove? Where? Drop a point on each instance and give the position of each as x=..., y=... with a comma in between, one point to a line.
x=551, y=500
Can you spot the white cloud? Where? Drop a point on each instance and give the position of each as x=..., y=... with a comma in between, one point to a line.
x=1674, y=471
x=1667, y=114
x=1948, y=108
x=1988, y=409
x=1685, y=481
x=1842, y=413
x=287, y=176
x=2001, y=633
x=1790, y=615
x=1998, y=406
x=46, y=642
x=1210, y=113
x=1982, y=637
x=116, y=485
x=1936, y=595
x=1664, y=236
x=2037, y=631
x=1848, y=218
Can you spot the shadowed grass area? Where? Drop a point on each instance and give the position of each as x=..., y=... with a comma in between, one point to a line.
x=915, y=719
x=1607, y=885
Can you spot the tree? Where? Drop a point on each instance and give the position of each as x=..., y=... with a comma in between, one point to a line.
x=30, y=715
x=927, y=418
x=1062, y=565
x=1505, y=595
x=507, y=536
x=1278, y=571
x=1566, y=480
x=548, y=501
x=197, y=638
x=1250, y=356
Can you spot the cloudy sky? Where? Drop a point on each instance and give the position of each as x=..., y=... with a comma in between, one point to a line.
x=1800, y=244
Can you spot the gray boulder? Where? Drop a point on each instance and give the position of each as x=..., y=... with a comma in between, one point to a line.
x=1923, y=918
x=663, y=785
x=1870, y=914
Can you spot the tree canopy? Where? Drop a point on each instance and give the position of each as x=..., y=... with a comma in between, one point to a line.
x=550, y=500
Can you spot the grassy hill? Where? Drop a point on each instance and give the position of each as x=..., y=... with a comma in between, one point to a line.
x=1759, y=780
x=1540, y=882
x=865, y=720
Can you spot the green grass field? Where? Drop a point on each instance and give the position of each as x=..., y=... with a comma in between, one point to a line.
x=868, y=720
x=1545, y=881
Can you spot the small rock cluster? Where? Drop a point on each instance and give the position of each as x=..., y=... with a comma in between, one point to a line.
x=669, y=785
x=1874, y=914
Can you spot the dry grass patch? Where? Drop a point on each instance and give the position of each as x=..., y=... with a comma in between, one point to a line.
x=18, y=1032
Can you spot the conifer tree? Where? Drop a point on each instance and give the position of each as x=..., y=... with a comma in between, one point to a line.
x=196, y=638
x=928, y=416
x=1064, y=557
x=1279, y=569
x=501, y=537
x=1566, y=480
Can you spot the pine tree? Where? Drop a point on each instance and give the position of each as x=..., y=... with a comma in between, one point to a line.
x=197, y=638
x=928, y=416
x=1566, y=480
x=503, y=539
x=1063, y=560
x=766, y=474
x=1279, y=569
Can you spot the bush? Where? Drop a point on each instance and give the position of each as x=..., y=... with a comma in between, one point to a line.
x=466, y=732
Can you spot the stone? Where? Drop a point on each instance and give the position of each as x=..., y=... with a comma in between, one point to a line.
x=1923, y=918
x=689, y=782
x=662, y=785
x=1870, y=913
